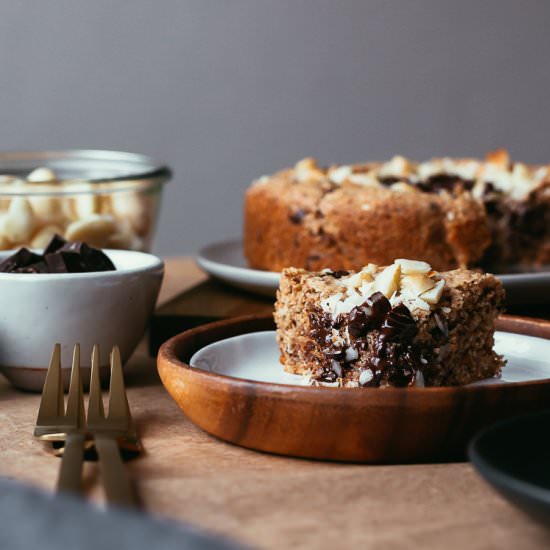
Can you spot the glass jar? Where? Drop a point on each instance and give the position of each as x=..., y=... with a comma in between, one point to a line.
x=108, y=199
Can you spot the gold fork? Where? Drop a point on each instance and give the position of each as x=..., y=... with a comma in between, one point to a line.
x=56, y=424
x=108, y=429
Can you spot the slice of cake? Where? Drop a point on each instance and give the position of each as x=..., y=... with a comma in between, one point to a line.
x=400, y=325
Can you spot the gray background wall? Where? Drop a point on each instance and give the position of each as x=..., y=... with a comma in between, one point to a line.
x=227, y=90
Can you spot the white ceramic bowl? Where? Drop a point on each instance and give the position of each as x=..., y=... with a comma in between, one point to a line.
x=107, y=308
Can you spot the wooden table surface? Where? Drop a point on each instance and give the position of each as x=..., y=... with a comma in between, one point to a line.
x=276, y=502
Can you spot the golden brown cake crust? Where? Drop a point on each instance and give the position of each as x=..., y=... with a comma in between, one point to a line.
x=452, y=213
x=312, y=225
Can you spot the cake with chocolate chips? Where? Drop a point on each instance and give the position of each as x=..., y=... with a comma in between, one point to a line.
x=451, y=213
x=401, y=325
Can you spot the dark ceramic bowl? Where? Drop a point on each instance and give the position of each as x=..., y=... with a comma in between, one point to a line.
x=514, y=457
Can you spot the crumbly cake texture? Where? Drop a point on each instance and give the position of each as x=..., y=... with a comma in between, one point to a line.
x=401, y=325
x=449, y=212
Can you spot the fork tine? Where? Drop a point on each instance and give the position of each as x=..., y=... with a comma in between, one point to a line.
x=118, y=487
x=51, y=403
x=95, y=402
x=118, y=402
x=75, y=403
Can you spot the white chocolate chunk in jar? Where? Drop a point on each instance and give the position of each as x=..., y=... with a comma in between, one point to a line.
x=131, y=207
x=9, y=181
x=42, y=175
x=94, y=230
x=4, y=241
x=48, y=209
x=20, y=222
x=124, y=237
x=77, y=207
x=45, y=207
x=86, y=205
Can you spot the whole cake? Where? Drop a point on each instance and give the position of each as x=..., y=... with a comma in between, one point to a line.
x=449, y=212
x=401, y=325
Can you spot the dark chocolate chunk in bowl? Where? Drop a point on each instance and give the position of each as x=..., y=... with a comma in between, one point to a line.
x=92, y=259
x=61, y=263
x=22, y=259
x=59, y=256
x=55, y=244
x=38, y=267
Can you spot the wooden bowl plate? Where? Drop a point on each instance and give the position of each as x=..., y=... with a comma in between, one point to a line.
x=371, y=425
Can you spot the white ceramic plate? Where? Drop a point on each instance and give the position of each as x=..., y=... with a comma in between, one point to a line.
x=225, y=261
x=255, y=356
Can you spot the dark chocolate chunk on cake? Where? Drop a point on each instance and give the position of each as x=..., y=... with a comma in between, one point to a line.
x=401, y=325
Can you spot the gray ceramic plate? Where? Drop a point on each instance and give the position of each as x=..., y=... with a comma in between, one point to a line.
x=225, y=261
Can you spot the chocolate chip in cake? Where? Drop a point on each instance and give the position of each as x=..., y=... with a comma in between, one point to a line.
x=445, y=182
x=402, y=373
x=297, y=216
x=390, y=180
x=327, y=374
x=492, y=199
x=398, y=325
x=312, y=258
x=369, y=315
x=320, y=326
x=530, y=219
x=339, y=274
x=394, y=363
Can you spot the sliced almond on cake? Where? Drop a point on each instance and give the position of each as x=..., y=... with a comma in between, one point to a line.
x=387, y=281
x=417, y=283
x=433, y=295
x=413, y=267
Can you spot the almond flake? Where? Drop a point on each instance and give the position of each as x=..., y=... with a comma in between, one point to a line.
x=433, y=295
x=417, y=284
x=387, y=282
x=340, y=174
x=412, y=267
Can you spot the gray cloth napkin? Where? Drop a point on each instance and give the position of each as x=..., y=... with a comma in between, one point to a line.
x=31, y=519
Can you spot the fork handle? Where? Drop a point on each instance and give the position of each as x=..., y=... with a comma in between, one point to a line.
x=70, y=473
x=116, y=481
